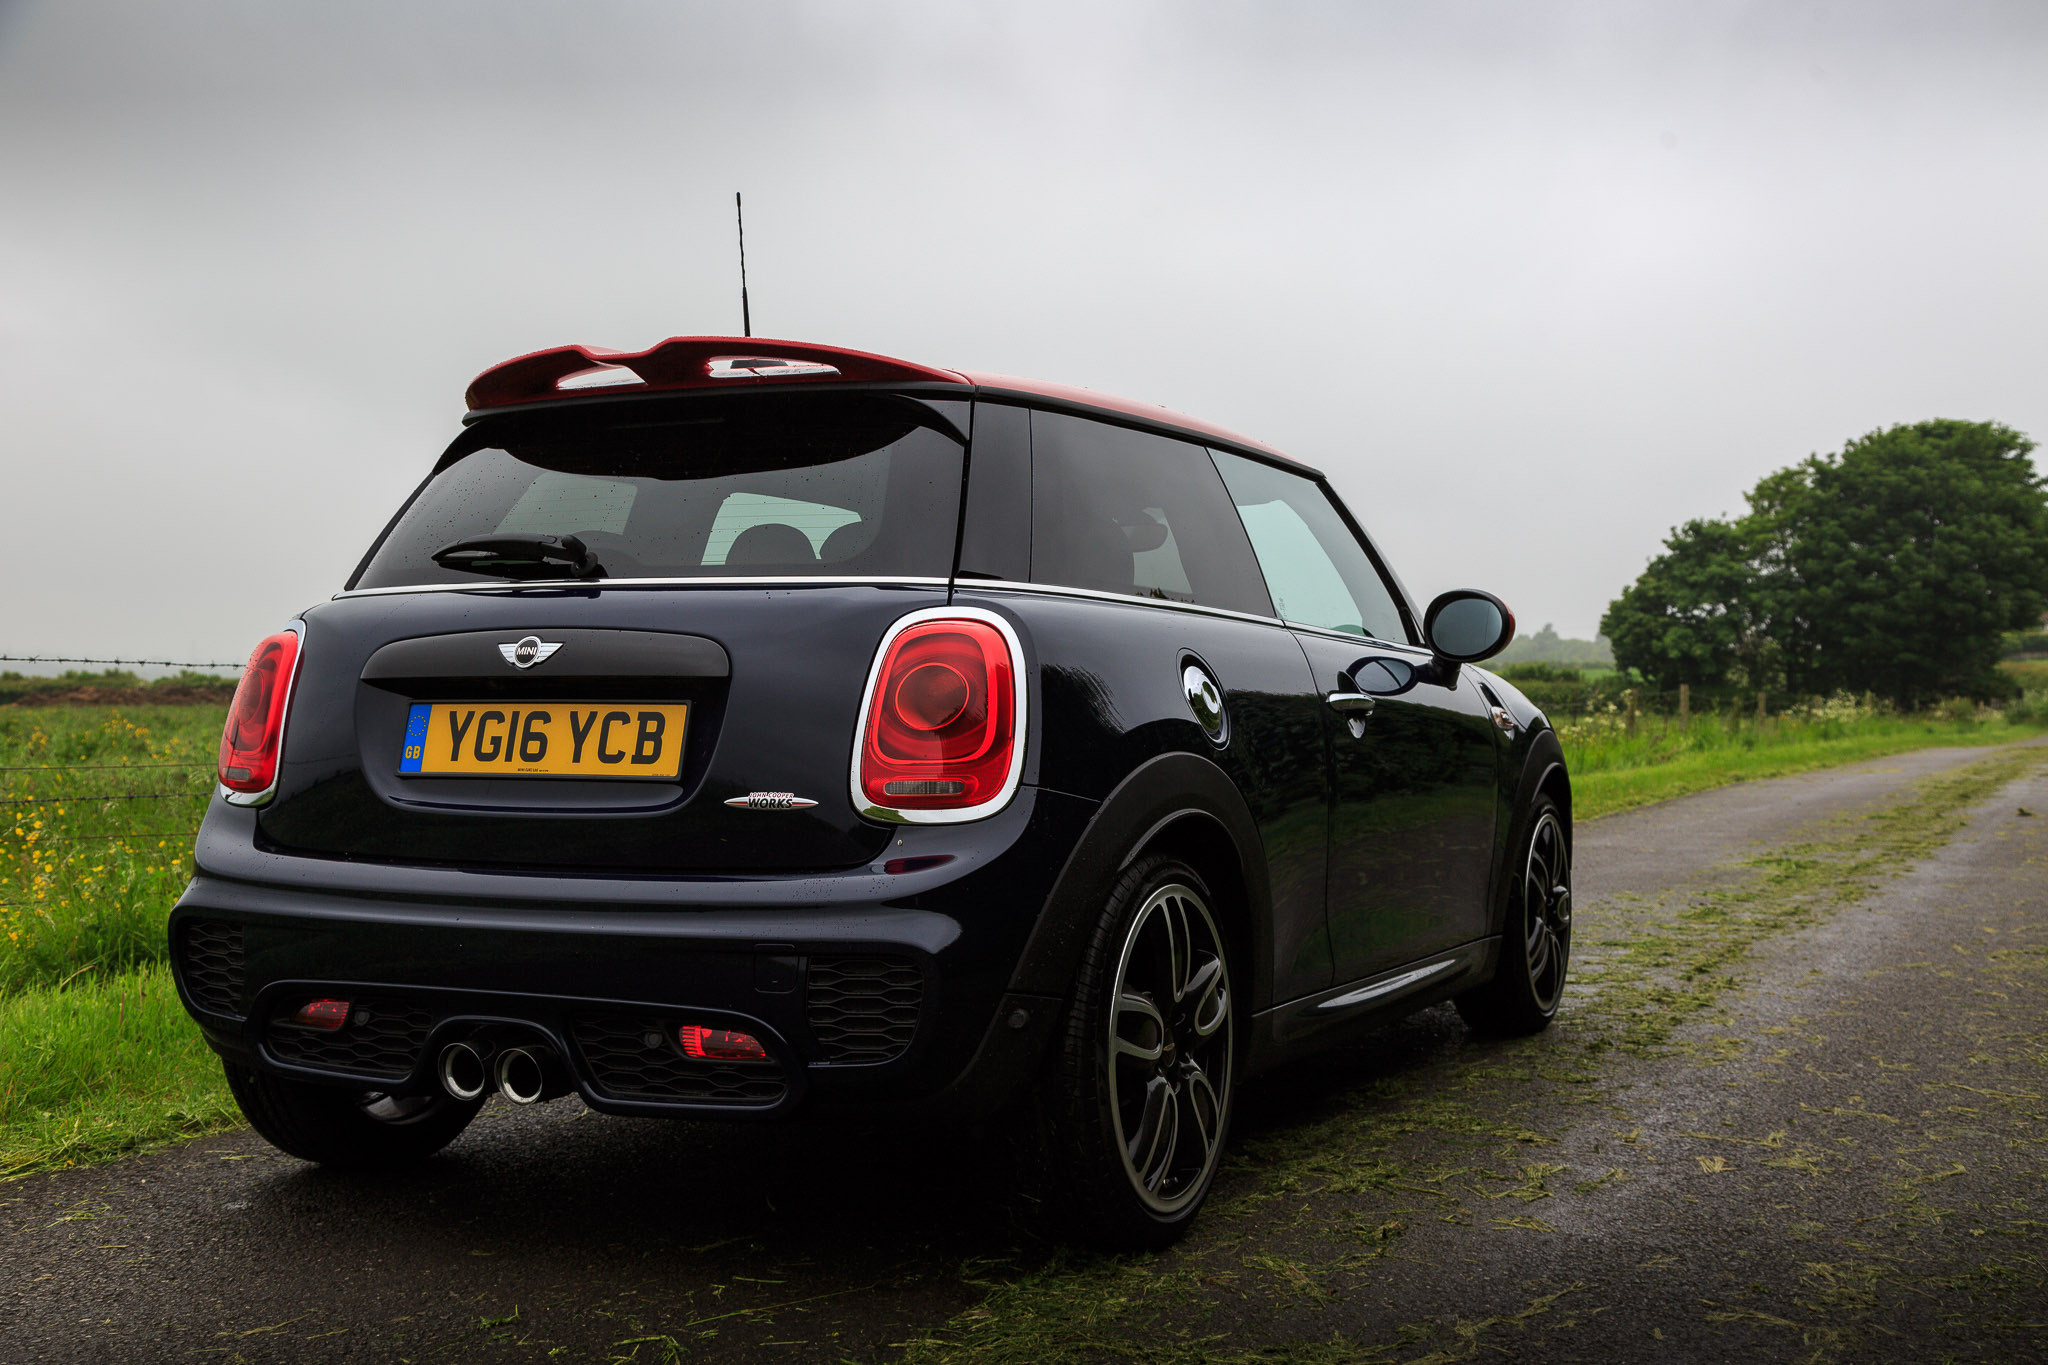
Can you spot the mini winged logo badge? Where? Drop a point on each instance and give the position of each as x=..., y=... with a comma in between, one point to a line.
x=528, y=652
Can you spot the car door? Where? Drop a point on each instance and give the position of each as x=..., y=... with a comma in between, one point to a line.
x=1411, y=748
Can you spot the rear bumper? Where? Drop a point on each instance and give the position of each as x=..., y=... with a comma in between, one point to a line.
x=870, y=990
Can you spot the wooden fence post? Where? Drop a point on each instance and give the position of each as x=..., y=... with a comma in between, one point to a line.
x=1684, y=707
x=1631, y=713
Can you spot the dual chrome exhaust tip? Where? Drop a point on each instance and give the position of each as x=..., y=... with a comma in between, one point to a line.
x=463, y=1072
x=523, y=1075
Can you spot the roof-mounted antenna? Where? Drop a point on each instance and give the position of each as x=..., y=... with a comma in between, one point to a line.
x=746, y=315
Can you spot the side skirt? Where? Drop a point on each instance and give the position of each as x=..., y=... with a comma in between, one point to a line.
x=1301, y=1026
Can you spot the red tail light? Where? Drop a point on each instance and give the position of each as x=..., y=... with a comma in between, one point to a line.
x=720, y=1044
x=250, y=741
x=941, y=726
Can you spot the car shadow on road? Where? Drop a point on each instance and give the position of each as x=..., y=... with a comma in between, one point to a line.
x=594, y=1181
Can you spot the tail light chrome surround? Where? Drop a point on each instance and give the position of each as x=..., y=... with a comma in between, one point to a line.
x=1020, y=713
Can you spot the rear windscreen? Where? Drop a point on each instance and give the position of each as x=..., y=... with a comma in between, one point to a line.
x=753, y=486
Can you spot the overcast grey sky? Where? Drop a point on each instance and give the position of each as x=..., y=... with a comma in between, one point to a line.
x=1533, y=282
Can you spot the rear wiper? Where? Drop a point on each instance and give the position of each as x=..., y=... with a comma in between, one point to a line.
x=522, y=555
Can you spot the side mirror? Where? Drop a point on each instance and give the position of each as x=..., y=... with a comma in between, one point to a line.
x=1465, y=625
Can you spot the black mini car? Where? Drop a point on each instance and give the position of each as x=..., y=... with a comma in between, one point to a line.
x=743, y=728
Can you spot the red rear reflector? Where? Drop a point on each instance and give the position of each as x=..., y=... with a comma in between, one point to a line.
x=941, y=718
x=327, y=1014
x=896, y=867
x=721, y=1044
x=250, y=740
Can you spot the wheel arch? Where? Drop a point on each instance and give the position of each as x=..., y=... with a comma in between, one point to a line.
x=1177, y=803
x=1543, y=773
x=1203, y=842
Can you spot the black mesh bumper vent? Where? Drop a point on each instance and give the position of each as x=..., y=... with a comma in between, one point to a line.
x=863, y=1009
x=212, y=958
x=638, y=1059
x=382, y=1040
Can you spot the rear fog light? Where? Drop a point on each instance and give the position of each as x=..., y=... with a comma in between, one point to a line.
x=720, y=1045
x=322, y=1014
x=896, y=867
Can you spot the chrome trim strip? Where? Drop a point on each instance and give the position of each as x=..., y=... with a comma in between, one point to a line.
x=234, y=798
x=1390, y=986
x=960, y=814
x=510, y=585
x=1096, y=595
x=1324, y=632
x=1446, y=970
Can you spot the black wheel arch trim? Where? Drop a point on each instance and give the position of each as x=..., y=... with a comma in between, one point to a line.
x=1543, y=766
x=1155, y=796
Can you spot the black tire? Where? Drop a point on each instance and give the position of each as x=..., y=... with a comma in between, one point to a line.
x=1536, y=941
x=1149, y=1048
x=362, y=1130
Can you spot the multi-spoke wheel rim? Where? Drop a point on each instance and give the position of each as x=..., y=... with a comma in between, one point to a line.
x=1170, y=1049
x=1547, y=899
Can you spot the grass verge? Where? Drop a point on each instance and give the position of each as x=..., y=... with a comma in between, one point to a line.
x=101, y=1068
x=1613, y=772
x=98, y=808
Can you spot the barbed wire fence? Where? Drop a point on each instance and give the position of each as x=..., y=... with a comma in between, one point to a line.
x=142, y=663
x=94, y=831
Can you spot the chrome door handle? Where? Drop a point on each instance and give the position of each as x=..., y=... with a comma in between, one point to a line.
x=1355, y=706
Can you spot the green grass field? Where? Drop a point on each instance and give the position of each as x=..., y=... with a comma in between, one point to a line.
x=2032, y=674
x=98, y=807
x=107, y=1065
x=1614, y=770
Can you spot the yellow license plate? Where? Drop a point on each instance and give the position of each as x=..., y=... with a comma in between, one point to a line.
x=544, y=739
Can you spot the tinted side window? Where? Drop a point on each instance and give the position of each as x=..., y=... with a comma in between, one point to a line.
x=1126, y=511
x=995, y=527
x=1317, y=571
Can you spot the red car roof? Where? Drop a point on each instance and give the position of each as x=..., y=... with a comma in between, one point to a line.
x=747, y=362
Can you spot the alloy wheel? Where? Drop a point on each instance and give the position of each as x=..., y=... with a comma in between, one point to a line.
x=1547, y=901
x=1170, y=1041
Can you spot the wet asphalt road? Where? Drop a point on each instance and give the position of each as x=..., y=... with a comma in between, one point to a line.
x=1845, y=1146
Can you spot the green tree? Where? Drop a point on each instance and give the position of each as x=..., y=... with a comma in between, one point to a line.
x=1898, y=564
x=1694, y=615
x=1895, y=566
